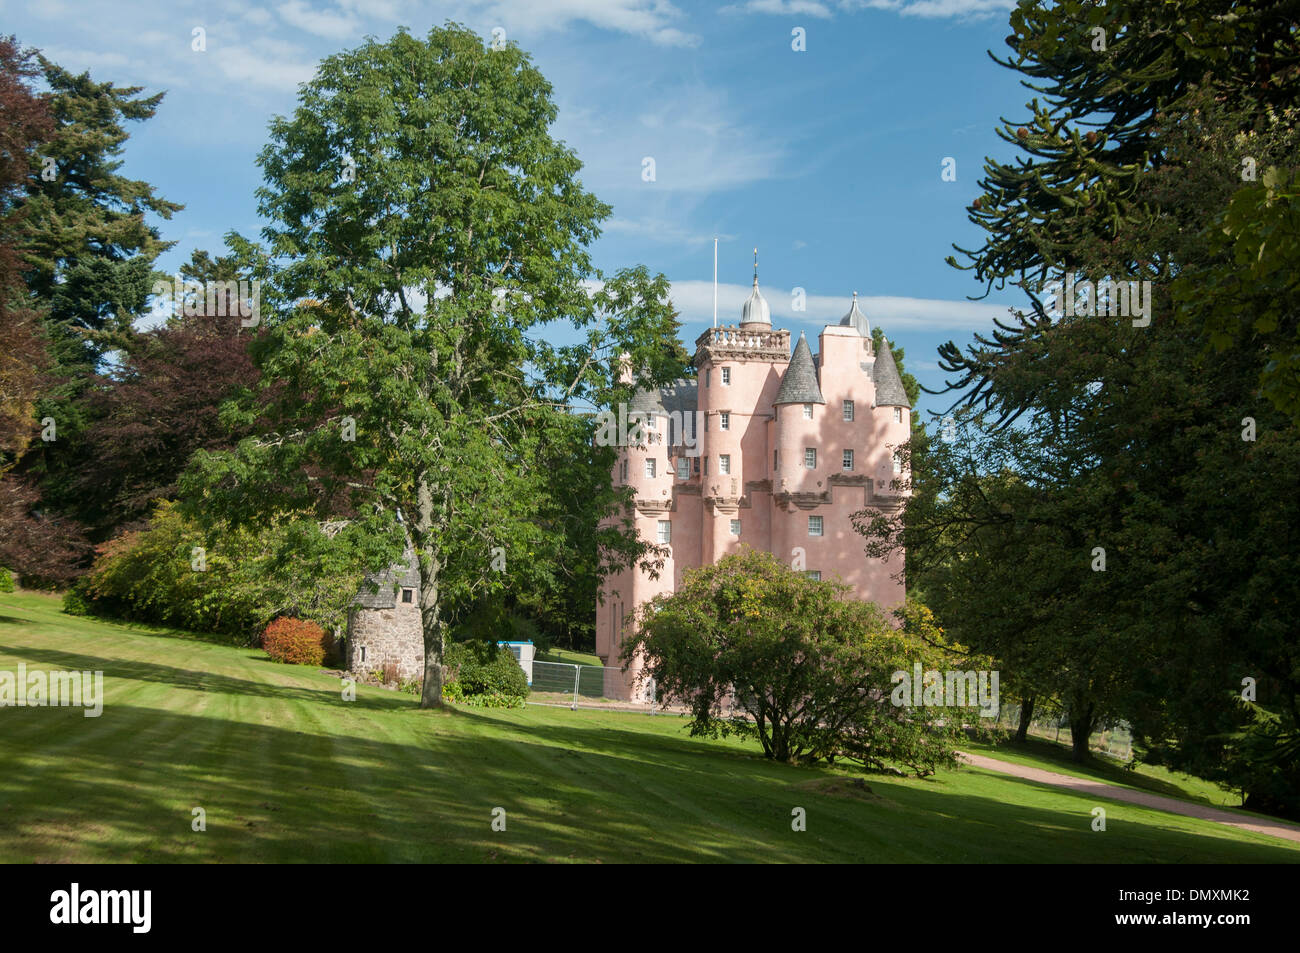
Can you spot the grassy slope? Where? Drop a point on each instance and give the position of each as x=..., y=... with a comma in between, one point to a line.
x=287, y=771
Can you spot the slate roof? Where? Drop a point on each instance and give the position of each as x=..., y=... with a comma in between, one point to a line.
x=889, y=385
x=680, y=397
x=799, y=385
x=397, y=576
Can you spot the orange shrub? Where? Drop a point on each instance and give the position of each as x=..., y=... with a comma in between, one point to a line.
x=297, y=642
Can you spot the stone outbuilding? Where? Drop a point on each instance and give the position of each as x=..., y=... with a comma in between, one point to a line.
x=384, y=626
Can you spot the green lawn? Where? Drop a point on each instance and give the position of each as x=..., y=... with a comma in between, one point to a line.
x=288, y=771
x=569, y=657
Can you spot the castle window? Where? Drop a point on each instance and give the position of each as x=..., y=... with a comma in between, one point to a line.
x=665, y=531
x=649, y=468
x=724, y=463
x=708, y=376
x=848, y=410
x=683, y=468
x=898, y=461
x=706, y=466
x=898, y=415
x=807, y=411
x=814, y=574
x=622, y=467
x=363, y=653
x=848, y=459
x=810, y=457
x=408, y=595
x=735, y=527
x=726, y=375
x=724, y=421
x=774, y=459
x=814, y=526
x=706, y=423
x=697, y=464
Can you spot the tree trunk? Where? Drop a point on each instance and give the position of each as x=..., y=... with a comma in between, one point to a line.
x=1026, y=716
x=1080, y=729
x=431, y=620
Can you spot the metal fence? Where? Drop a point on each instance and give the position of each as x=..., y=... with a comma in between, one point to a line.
x=587, y=686
x=1115, y=740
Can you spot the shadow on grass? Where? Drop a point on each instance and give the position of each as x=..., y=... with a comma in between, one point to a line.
x=123, y=788
x=204, y=681
x=132, y=627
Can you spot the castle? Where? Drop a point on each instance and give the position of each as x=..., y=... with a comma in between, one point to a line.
x=791, y=446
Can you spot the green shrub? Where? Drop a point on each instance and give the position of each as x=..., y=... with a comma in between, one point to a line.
x=248, y=576
x=6, y=580
x=453, y=692
x=75, y=602
x=485, y=669
x=297, y=642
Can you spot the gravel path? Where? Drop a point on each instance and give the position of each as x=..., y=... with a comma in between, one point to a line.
x=1116, y=793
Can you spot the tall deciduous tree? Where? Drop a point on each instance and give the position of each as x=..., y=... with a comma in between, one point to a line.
x=425, y=229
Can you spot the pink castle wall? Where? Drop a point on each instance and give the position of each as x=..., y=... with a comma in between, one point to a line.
x=773, y=506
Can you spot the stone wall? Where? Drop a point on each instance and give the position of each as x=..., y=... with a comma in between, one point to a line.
x=387, y=635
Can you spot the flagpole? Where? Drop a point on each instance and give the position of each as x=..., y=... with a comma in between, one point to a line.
x=715, y=281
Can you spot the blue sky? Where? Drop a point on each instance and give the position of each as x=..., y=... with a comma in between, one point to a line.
x=827, y=159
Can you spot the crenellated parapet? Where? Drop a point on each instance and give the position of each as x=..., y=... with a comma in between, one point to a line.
x=732, y=343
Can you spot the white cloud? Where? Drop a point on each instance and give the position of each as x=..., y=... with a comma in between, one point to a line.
x=264, y=63
x=809, y=8
x=324, y=23
x=931, y=9
x=661, y=230
x=695, y=146
x=650, y=19
x=694, y=301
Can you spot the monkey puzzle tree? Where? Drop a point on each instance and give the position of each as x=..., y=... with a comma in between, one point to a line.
x=424, y=228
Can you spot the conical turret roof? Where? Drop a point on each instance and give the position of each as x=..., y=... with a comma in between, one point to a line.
x=799, y=385
x=889, y=384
